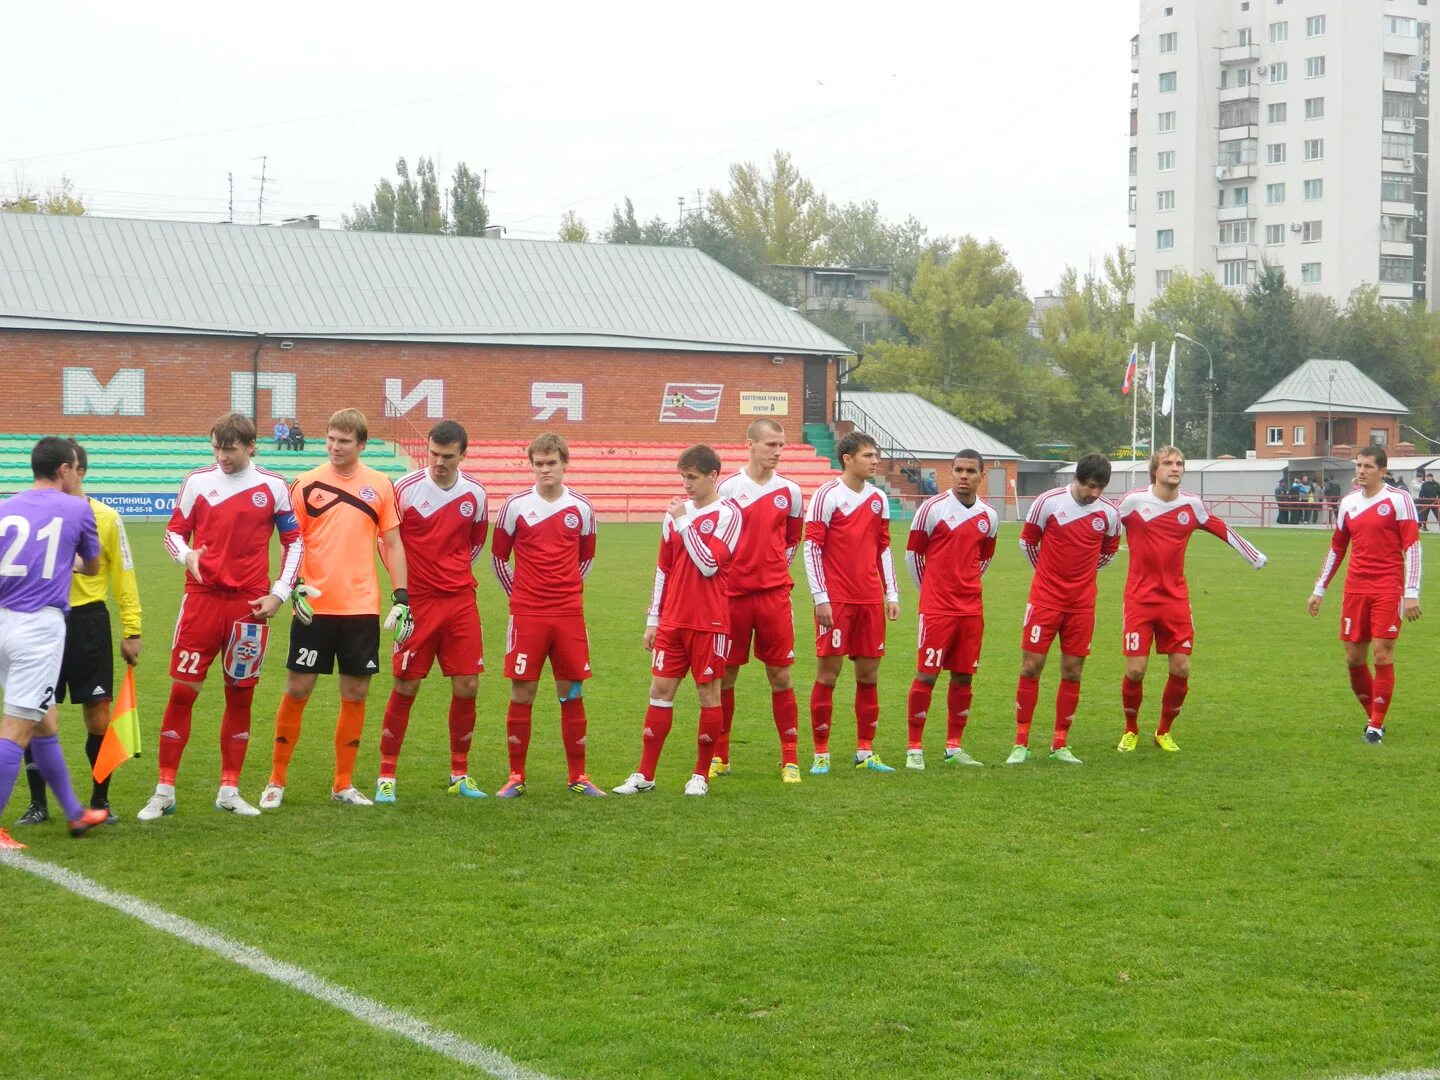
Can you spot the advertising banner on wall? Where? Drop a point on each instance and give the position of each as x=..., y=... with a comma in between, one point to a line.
x=690, y=403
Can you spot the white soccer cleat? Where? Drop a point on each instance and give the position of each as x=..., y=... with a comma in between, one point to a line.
x=915, y=759
x=230, y=800
x=350, y=796
x=272, y=797
x=160, y=805
x=635, y=784
x=697, y=785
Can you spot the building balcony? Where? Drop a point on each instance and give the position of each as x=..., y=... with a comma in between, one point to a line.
x=1399, y=125
x=1402, y=46
x=1246, y=170
x=1400, y=86
x=1232, y=252
x=1397, y=165
x=1395, y=290
x=1402, y=248
x=1239, y=93
x=1239, y=131
x=1397, y=209
x=1248, y=54
x=1235, y=213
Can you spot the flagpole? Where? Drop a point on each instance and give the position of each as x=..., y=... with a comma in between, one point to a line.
x=1172, y=380
x=1152, y=386
x=1134, y=415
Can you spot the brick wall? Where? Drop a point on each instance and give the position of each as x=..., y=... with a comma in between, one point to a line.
x=1288, y=422
x=601, y=394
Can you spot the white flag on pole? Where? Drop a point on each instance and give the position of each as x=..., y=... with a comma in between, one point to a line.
x=1150, y=372
x=1168, y=401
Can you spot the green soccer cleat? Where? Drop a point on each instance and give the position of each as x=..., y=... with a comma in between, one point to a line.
x=821, y=767
x=385, y=790
x=1166, y=742
x=871, y=763
x=958, y=756
x=1018, y=756
x=915, y=759
x=1128, y=742
x=1064, y=755
x=466, y=789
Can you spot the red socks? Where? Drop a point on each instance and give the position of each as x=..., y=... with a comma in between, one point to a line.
x=1171, y=702
x=234, y=733
x=1067, y=700
x=392, y=732
x=1132, y=693
x=517, y=736
x=822, y=705
x=175, y=729
x=1027, y=693
x=1384, y=690
x=658, y=720
x=957, y=702
x=867, y=714
x=727, y=711
x=1363, y=685
x=712, y=723
x=917, y=707
x=462, y=729
x=572, y=734
x=787, y=724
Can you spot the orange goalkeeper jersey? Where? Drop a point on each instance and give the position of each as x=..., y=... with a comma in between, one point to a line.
x=340, y=518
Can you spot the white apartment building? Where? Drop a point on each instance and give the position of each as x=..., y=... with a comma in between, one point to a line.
x=1293, y=133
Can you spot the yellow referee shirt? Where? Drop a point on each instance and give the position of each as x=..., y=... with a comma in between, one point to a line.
x=117, y=572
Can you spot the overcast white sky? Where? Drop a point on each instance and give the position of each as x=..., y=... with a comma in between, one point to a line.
x=977, y=119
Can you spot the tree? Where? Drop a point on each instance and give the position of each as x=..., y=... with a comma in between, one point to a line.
x=858, y=236
x=1397, y=346
x=573, y=230
x=468, y=213
x=626, y=229
x=60, y=199
x=781, y=215
x=413, y=204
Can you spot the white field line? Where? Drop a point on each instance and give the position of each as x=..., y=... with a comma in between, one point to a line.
x=372, y=1012
x=1419, y=1074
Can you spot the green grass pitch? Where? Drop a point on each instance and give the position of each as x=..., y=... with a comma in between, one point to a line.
x=1262, y=904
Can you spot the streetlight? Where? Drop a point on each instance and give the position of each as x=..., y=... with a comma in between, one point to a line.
x=1209, y=396
x=1329, y=411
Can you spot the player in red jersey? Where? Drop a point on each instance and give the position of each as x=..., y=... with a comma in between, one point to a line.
x=550, y=531
x=688, y=626
x=1382, y=585
x=443, y=522
x=852, y=581
x=1070, y=534
x=220, y=532
x=1159, y=521
x=759, y=588
x=952, y=540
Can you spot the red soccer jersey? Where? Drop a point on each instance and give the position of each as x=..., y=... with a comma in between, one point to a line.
x=554, y=546
x=1157, y=533
x=232, y=517
x=773, y=524
x=1385, y=537
x=695, y=557
x=950, y=546
x=443, y=532
x=847, y=546
x=1068, y=542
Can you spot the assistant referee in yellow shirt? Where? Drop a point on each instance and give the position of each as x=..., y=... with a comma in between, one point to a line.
x=87, y=671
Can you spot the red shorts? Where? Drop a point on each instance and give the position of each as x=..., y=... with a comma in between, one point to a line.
x=203, y=629
x=950, y=643
x=701, y=653
x=532, y=639
x=857, y=630
x=447, y=628
x=1075, y=628
x=767, y=617
x=1364, y=618
x=1169, y=627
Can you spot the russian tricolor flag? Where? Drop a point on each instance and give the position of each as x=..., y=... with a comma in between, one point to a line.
x=1129, y=382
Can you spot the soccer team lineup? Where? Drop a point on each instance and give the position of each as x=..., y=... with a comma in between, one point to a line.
x=721, y=598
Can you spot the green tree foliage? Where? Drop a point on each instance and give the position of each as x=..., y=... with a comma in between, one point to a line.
x=468, y=215
x=59, y=199
x=857, y=235
x=1398, y=347
x=626, y=229
x=413, y=204
x=573, y=230
x=781, y=215
x=1084, y=341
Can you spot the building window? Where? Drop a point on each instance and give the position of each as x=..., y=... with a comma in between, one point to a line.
x=1134, y=159
x=1279, y=31
x=1165, y=161
x=1379, y=436
x=1274, y=436
x=1397, y=146
x=1315, y=26
x=1167, y=82
x=1314, y=149
x=1237, y=152
x=1242, y=196
x=1398, y=66
x=1314, y=108
x=1310, y=273
x=1299, y=439
x=1274, y=235
x=1275, y=153
x=1397, y=229
x=1314, y=189
x=1399, y=26
x=1398, y=106
x=1239, y=113
x=1234, y=232
x=1242, y=76
x=1220, y=199
x=1397, y=187
x=1275, y=113
x=1397, y=269
x=1164, y=200
x=1311, y=232
x=1244, y=37
x=1163, y=279
x=1279, y=72
x=1169, y=42
x=1134, y=201
x=1314, y=67
x=1274, y=193
x=1164, y=239
x=1237, y=272
x=1167, y=122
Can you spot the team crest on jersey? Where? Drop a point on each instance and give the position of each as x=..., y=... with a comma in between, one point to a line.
x=572, y=521
x=467, y=508
x=368, y=493
x=246, y=649
x=260, y=498
x=1384, y=510
x=874, y=506
x=983, y=525
x=707, y=526
x=1098, y=524
x=1183, y=517
x=782, y=502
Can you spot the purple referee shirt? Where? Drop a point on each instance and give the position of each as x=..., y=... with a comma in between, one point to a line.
x=41, y=531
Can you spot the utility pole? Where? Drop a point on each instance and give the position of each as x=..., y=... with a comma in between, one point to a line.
x=260, y=206
x=680, y=218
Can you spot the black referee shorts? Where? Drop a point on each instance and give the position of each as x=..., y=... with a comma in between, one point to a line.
x=87, y=668
x=353, y=640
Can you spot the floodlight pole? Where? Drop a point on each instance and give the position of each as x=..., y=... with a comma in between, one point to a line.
x=1209, y=396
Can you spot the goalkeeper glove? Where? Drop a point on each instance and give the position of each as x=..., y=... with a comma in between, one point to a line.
x=399, y=618
x=298, y=597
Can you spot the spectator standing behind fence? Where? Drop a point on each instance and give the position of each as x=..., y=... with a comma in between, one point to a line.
x=1429, y=501
x=297, y=437
x=1282, y=495
x=282, y=435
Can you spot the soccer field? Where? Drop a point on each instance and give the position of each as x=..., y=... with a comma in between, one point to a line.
x=1262, y=904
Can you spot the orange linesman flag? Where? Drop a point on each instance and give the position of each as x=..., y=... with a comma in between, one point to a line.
x=122, y=738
